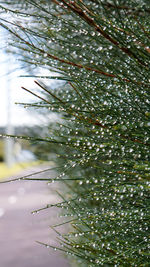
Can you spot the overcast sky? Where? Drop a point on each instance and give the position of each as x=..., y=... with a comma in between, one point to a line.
x=11, y=92
x=10, y=85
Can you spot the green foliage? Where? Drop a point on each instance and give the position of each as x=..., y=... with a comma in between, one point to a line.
x=100, y=50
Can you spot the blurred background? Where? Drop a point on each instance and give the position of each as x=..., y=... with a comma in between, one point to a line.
x=16, y=119
x=19, y=157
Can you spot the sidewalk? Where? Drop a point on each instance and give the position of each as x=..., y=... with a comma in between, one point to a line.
x=19, y=229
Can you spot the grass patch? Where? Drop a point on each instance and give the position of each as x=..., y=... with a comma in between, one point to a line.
x=6, y=172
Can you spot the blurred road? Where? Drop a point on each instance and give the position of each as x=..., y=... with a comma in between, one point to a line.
x=19, y=229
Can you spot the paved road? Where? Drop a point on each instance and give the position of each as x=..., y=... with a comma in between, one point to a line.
x=19, y=229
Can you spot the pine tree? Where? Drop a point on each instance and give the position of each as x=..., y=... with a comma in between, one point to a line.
x=100, y=50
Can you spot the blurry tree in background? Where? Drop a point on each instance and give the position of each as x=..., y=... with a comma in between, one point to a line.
x=100, y=51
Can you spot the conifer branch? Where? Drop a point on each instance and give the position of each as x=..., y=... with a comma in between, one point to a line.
x=82, y=13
